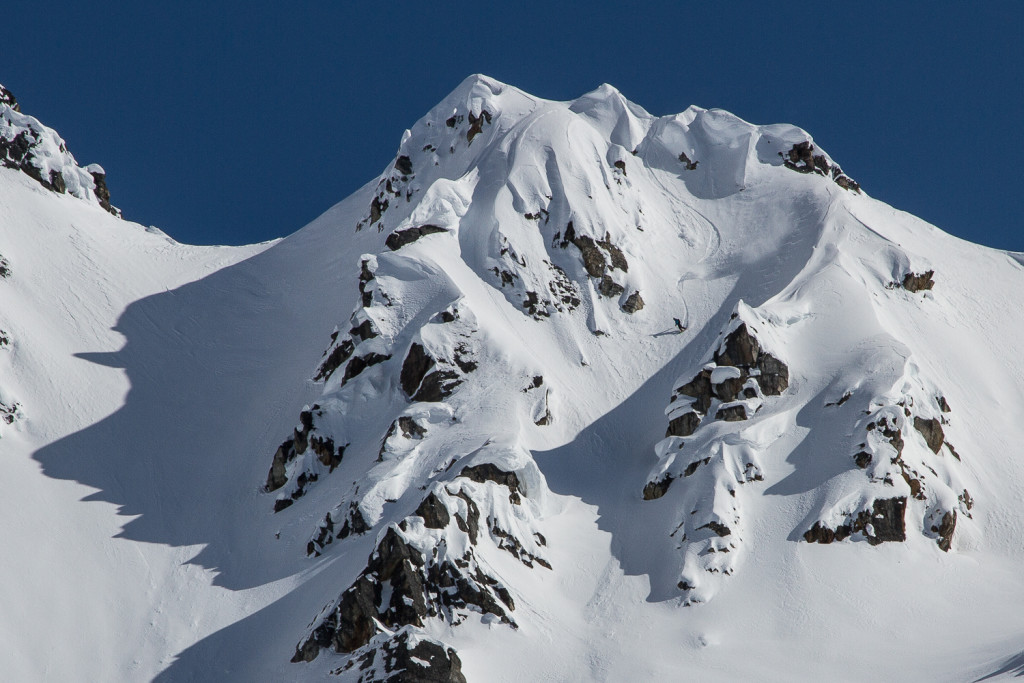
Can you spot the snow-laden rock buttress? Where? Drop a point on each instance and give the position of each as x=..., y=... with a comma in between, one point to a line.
x=38, y=151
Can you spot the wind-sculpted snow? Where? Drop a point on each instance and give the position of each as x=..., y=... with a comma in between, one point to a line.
x=569, y=392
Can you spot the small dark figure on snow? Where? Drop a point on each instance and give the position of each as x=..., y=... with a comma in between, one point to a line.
x=679, y=325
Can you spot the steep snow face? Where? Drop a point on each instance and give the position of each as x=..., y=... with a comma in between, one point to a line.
x=608, y=396
x=543, y=271
x=97, y=316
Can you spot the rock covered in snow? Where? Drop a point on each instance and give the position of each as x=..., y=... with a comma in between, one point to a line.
x=29, y=146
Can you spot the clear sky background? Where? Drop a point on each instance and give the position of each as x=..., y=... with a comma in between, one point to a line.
x=233, y=122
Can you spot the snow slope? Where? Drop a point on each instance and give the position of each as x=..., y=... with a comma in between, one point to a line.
x=451, y=425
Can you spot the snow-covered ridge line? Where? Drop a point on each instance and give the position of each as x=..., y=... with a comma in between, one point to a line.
x=39, y=152
x=568, y=392
x=556, y=215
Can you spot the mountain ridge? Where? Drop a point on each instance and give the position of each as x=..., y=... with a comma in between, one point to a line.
x=463, y=483
x=880, y=519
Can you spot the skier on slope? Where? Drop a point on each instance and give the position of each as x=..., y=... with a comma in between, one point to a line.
x=679, y=325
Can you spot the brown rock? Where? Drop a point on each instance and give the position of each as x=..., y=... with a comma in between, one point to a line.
x=690, y=165
x=490, y=472
x=684, y=425
x=931, y=430
x=434, y=513
x=634, y=302
x=476, y=124
x=593, y=258
x=741, y=348
x=916, y=282
x=656, y=489
x=946, y=529
x=427, y=662
x=609, y=287
x=887, y=518
x=377, y=209
x=364, y=277
x=734, y=413
x=400, y=238
x=729, y=389
x=471, y=524
x=774, y=377
x=339, y=354
x=411, y=429
x=699, y=388
x=618, y=259
x=437, y=386
x=363, y=331
x=102, y=192
x=7, y=97
x=719, y=528
x=276, y=477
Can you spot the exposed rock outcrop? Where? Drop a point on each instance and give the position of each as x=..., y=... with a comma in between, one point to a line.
x=7, y=97
x=37, y=151
x=402, y=585
x=600, y=258
x=885, y=521
x=400, y=238
x=407, y=657
x=323, y=457
x=476, y=124
x=690, y=165
x=434, y=513
x=801, y=158
x=634, y=302
x=357, y=364
x=737, y=381
x=658, y=488
x=431, y=380
x=491, y=472
x=918, y=282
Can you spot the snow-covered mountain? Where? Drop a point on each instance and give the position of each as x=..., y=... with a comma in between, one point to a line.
x=569, y=392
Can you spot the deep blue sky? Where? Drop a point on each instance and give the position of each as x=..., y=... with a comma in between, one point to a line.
x=232, y=122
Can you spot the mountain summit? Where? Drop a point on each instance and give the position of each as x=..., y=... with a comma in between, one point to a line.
x=569, y=392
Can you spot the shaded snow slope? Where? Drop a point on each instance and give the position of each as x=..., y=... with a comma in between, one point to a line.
x=452, y=428
x=82, y=603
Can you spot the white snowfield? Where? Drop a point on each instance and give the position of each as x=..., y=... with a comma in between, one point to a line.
x=510, y=284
